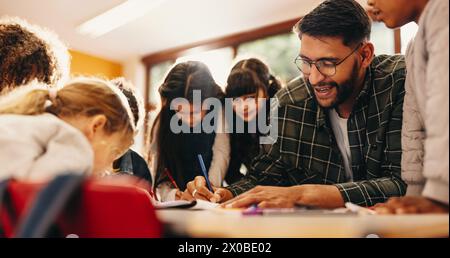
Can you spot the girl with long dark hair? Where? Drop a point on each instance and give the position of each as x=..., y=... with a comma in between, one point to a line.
x=249, y=79
x=174, y=155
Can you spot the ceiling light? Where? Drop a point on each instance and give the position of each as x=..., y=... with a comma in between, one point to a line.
x=118, y=16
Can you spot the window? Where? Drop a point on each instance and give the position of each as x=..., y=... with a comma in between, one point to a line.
x=277, y=51
x=157, y=74
x=408, y=32
x=218, y=61
x=382, y=39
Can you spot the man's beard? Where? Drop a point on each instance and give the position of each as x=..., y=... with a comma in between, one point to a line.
x=344, y=90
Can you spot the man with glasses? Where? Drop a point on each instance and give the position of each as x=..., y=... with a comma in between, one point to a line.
x=339, y=124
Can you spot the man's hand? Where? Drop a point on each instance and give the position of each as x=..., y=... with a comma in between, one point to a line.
x=324, y=196
x=410, y=205
x=265, y=197
x=197, y=189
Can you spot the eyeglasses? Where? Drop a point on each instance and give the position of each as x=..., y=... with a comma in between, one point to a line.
x=325, y=67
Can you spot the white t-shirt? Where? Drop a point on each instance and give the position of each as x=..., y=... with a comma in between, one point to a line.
x=340, y=130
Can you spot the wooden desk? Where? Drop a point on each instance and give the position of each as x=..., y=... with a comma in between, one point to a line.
x=213, y=224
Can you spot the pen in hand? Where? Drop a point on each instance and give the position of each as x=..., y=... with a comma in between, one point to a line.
x=205, y=173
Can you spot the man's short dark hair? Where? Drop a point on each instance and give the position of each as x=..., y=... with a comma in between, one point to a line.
x=336, y=18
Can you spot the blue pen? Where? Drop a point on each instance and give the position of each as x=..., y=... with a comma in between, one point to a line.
x=205, y=173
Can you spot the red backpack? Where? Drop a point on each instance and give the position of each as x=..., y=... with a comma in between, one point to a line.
x=71, y=205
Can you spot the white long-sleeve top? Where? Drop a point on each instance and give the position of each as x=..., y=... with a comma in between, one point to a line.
x=217, y=170
x=39, y=147
x=425, y=157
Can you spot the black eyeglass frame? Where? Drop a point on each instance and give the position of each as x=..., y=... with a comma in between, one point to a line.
x=298, y=58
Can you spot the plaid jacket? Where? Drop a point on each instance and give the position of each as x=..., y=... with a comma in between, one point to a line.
x=306, y=151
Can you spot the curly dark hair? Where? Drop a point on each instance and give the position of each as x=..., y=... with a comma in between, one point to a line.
x=23, y=57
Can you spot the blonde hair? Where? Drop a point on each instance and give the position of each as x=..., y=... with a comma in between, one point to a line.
x=86, y=97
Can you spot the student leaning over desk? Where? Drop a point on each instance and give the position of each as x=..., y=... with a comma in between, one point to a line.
x=339, y=125
x=425, y=122
x=174, y=154
x=80, y=128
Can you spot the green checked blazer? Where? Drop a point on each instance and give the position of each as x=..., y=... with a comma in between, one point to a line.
x=306, y=151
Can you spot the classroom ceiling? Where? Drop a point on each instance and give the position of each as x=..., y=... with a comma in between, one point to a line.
x=171, y=24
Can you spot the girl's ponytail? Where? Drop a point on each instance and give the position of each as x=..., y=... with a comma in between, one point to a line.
x=26, y=101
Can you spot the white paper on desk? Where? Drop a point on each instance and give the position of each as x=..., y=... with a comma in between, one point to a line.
x=194, y=205
x=204, y=205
